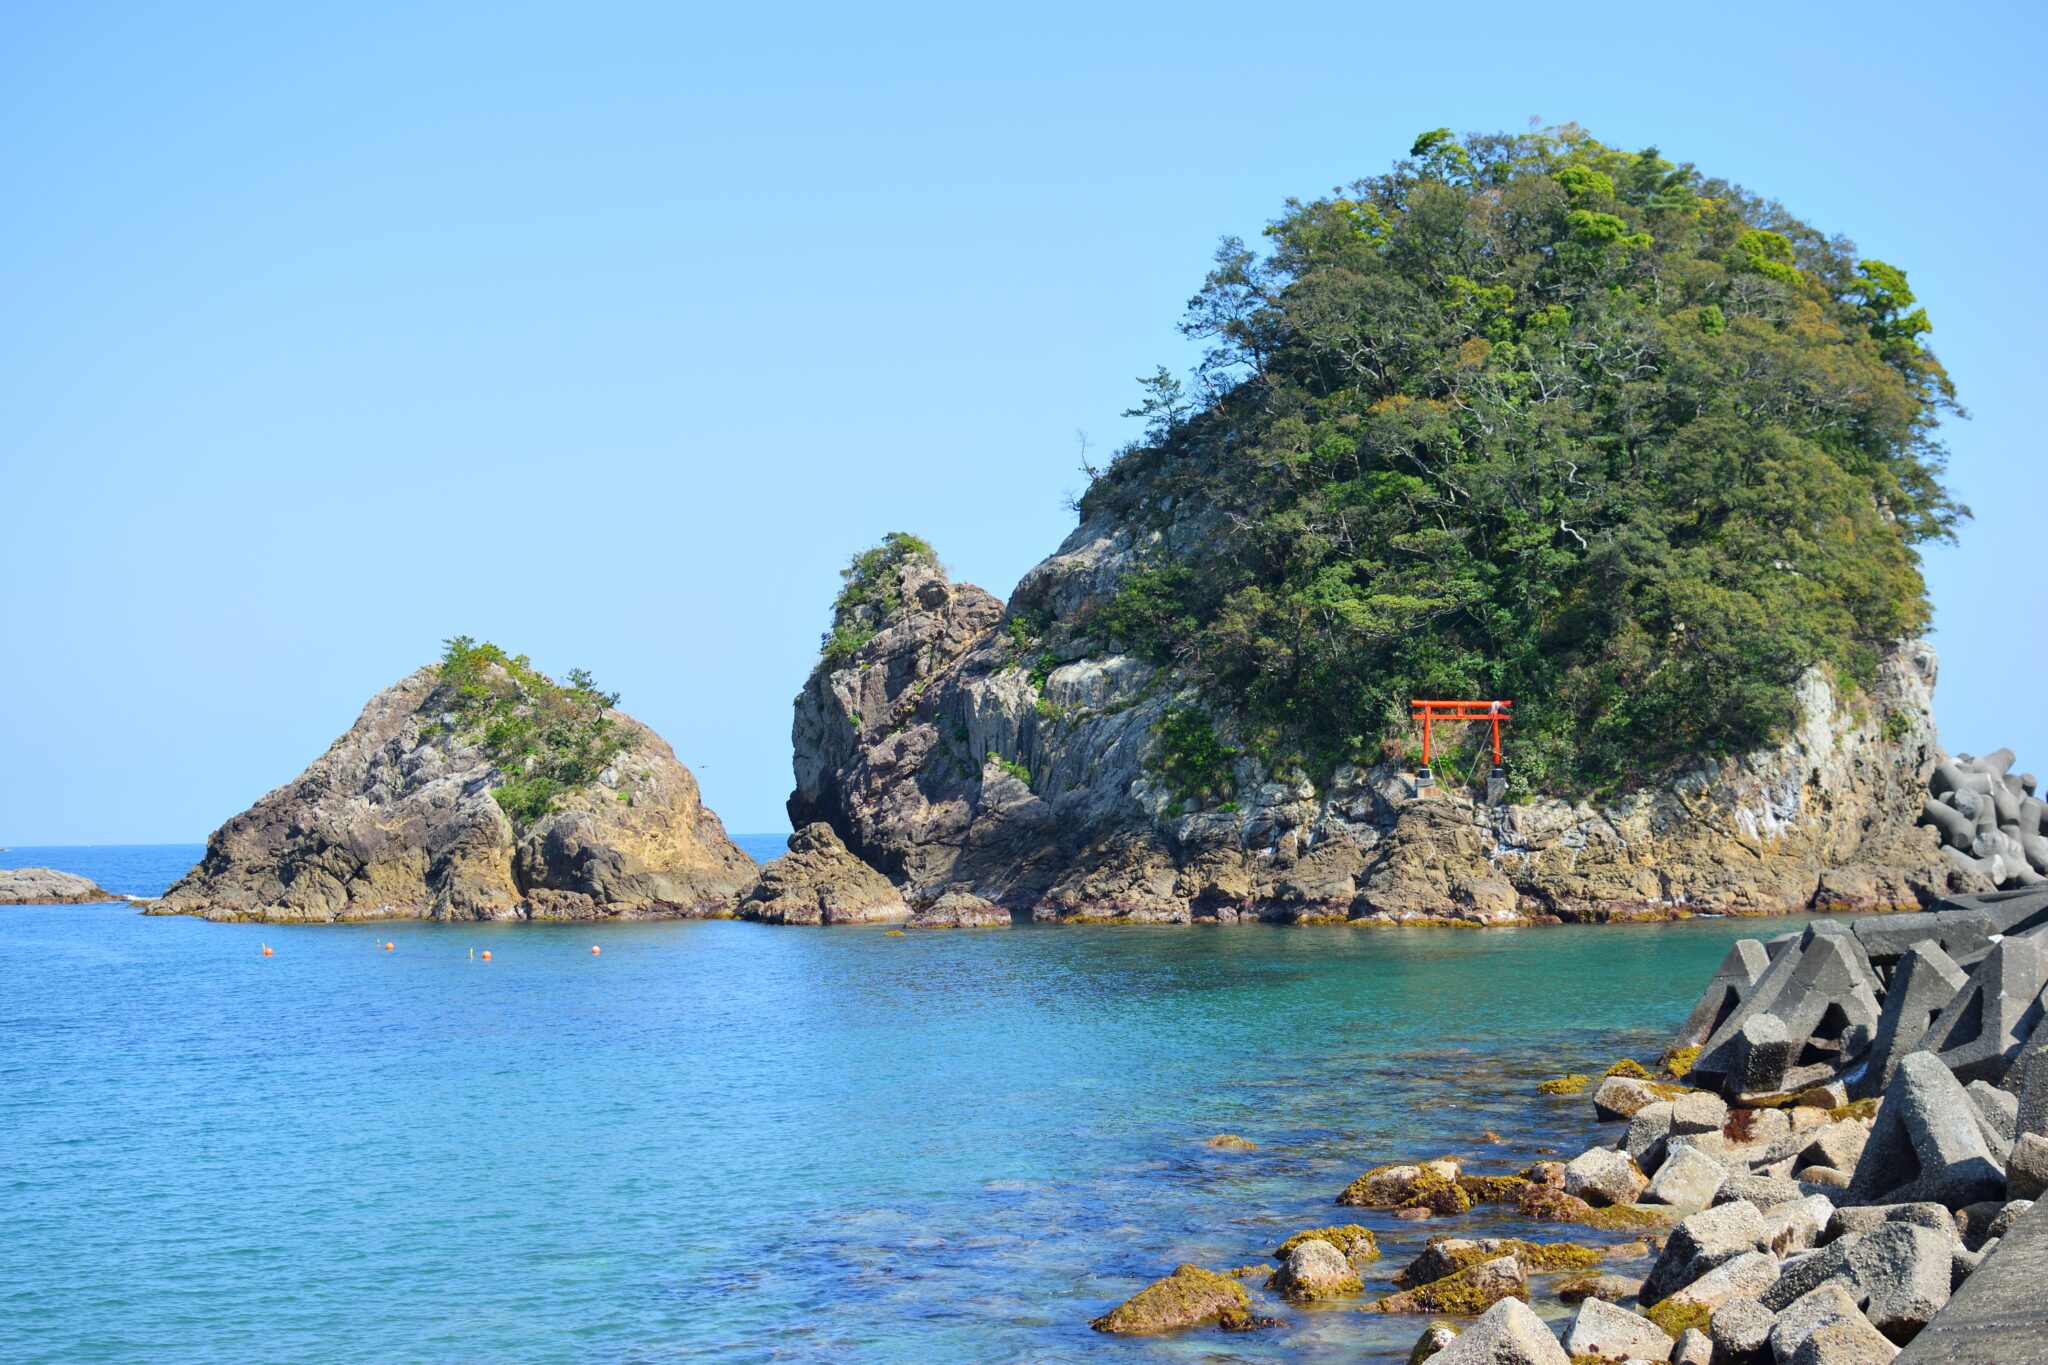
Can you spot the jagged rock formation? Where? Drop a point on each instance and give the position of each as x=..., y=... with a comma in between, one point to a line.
x=47, y=886
x=819, y=882
x=397, y=820
x=1007, y=753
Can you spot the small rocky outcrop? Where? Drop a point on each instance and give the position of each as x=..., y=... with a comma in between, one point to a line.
x=411, y=815
x=962, y=746
x=819, y=882
x=47, y=886
x=1189, y=1297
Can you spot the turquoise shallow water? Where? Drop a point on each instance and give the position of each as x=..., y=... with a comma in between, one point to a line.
x=721, y=1140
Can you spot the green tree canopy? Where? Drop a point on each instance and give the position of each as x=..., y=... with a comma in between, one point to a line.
x=1532, y=417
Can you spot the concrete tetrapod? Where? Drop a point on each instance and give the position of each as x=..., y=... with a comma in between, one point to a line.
x=1992, y=1016
x=1923, y=983
x=1926, y=1144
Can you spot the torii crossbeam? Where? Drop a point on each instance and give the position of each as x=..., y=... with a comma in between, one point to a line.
x=1430, y=711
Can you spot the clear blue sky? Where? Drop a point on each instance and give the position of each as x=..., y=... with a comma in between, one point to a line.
x=609, y=331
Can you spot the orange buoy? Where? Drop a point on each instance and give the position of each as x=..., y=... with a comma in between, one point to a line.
x=487, y=954
x=267, y=952
x=389, y=946
x=595, y=950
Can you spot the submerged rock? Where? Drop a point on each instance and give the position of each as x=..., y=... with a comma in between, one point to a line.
x=47, y=886
x=401, y=818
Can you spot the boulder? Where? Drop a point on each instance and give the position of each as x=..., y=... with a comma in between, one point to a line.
x=1619, y=1097
x=1434, y=1338
x=1701, y=1111
x=1603, y=1176
x=1648, y=1130
x=1798, y=1225
x=1472, y=1290
x=1703, y=1241
x=1859, y=1219
x=1189, y=1297
x=1688, y=1177
x=1839, y=1145
x=1825, y=1306
x=1926, y=1143
x=1904, y=1270
x=820, y=882
x=1314, y=1270
x=1741, y=1329
x=1693, y=1347
x=47, y=886
x=1611, y=1287
x=2027, y=1175
x=958, y=910
x=1744, y=1277
x=1844, y=1341
x=1508, y=1333
x=1922, y=984
x=1764, y=1191
x=1599, y=1328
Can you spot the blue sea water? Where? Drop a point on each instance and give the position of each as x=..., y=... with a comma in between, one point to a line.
x=736, y=1142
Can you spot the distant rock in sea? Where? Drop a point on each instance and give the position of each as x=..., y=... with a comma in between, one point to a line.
x=47, y=886
x=476, y=789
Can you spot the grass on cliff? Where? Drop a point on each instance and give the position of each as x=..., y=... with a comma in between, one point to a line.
x=543, y=738
x=870, y=591
x=1530, y=416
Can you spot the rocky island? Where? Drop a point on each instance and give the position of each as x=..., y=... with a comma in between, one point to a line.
x=1527, y=417
x=475, y=789
x=47, y=886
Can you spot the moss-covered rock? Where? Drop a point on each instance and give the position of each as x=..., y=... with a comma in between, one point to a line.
x=1189, y=1297
x=1231, y=1142
x=1629, y=1067
x=1431, y=1186
x=1468, y=1293
x=1313, y=1270
x=1674, y=1318
x=1358, y=1244
x=1491, y=1189
x=1571, y=1083
x=1678, y=1062
x=1444, y=1256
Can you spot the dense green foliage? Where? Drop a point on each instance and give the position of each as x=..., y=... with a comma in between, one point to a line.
x=1531, y=417
x=871, y=590
x=543, y=738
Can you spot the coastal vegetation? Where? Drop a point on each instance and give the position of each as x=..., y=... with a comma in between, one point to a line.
x=542, y=737
x=1531, y=416
x=870, y=590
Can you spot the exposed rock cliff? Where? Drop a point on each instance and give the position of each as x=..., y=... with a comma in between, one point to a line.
x=1010, y=754
x=47, y=886
x=398, y=819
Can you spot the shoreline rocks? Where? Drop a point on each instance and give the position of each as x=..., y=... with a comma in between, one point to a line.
x=48, y=886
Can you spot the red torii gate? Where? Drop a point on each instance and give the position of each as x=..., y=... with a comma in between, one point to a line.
x=1430, y=711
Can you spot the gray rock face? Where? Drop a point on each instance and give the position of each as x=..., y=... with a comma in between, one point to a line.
x=1603, y=1176
x=819, y=882
x=1741, y=1330
x=1007, y=752
x=397, y=821
x=1601, y=1329
x=1927, y=1143
x=957, y=910
x=47, y=886
x=1509, y=1333
x=1688, y=1177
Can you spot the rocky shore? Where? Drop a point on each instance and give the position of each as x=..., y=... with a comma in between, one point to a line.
x=1842, y=1134
x=47, y=886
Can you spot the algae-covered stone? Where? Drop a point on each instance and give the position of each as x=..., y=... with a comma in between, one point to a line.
x=1444, y=1255
x=1434, y=1338
x=1189, y=1297
x=1471, y=1290
x=1432, y=1186
x=1312, y=1270
x=1358, y=1244
x=1231, y=1142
